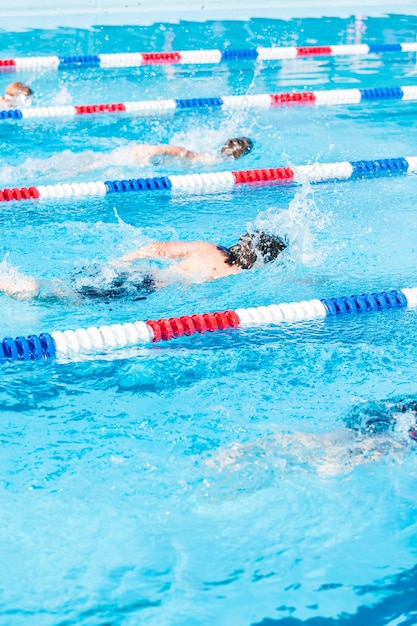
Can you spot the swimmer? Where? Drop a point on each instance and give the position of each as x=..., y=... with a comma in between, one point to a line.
x=388, y=416
x=136, y=154
x=201, y=261
x=145, y=153
x=17, y=94
x=233, y=148
x=375, y=430
x=191, y=262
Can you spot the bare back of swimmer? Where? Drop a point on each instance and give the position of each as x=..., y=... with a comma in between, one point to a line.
x=195, y=261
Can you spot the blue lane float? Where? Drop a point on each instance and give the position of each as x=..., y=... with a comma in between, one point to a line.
x=329, y=97
x=220, y=181
x=69, y=343
x=31, y=348
x=198, y=57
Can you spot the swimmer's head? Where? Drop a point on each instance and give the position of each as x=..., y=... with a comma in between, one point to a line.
x=255, y=246
x=375, y=418
x=236, y=147
x=18, y=93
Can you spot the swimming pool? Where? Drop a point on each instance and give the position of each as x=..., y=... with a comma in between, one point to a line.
x=181, y=483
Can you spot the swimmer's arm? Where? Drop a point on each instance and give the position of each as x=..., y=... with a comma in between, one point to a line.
x=145, y=150
x=207, y=158
x=160, y=250
x=175, y=151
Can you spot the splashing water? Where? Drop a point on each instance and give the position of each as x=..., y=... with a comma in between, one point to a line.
x=15, y=284
x=67, y=164
x=297, y=225
x=207, y=140
x=61, y=97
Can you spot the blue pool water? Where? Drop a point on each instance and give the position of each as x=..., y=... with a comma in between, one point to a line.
x=212, y=479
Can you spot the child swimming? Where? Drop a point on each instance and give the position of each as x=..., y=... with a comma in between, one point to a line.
x=189, y=261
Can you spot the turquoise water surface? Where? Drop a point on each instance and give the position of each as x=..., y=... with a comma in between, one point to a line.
x=211, y=480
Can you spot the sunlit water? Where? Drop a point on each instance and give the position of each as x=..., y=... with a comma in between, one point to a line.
x=211, y=479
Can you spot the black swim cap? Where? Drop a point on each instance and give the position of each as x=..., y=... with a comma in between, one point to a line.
x=254, y=246
x=379, y=417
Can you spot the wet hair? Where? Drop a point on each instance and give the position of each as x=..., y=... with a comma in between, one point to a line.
x=254, y=246
x=16, y=88
x=237, y=147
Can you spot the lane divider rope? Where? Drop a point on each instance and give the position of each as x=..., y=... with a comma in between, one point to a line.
x=115, y=336
x=161, y=107
x=220, y=181
x=196, y=57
